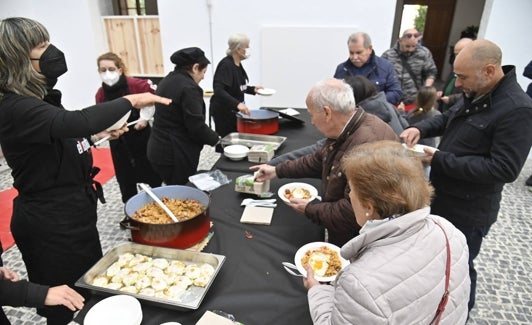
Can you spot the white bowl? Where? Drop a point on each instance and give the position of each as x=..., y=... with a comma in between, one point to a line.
x=116, y=310
x=292, y=186
x=120, y=123
x=236, y=152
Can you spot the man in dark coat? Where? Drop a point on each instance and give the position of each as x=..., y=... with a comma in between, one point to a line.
x=486, y=138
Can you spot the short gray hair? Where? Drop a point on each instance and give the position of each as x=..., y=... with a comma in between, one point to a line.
x=353, y=38
x=335, y=93
x=235, y=41
x=18, y=36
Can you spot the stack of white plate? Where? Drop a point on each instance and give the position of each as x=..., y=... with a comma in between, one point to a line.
x=116, y=310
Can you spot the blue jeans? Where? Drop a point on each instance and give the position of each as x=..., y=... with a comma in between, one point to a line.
x=474, y=236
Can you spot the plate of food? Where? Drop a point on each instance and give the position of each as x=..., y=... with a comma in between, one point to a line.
x=266, y=91
x=418, y=149
x=324, y=258
x=297, y=191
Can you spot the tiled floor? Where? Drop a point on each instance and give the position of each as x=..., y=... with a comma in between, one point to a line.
x=504, y=294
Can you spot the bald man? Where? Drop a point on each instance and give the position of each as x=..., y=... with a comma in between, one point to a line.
x=413, y=64
x=486, y=138
x=450, y=93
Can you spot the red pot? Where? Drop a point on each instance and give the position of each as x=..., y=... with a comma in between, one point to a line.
x=183, y=234
x=258, y=122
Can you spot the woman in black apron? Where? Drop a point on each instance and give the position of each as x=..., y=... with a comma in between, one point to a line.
x=54, y=214
x=230, y=83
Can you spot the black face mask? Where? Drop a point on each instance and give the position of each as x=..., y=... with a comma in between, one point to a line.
x=52, y=62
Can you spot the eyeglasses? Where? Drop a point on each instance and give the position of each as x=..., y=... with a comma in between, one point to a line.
x=410, y=35
x=111, y=69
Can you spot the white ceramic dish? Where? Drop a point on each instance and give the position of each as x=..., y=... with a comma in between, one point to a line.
x=312, y=246
x=266, y=91
x=236, y=152
x=292, y=186
x=418, y=149
x=119, y=123
x=116, y=310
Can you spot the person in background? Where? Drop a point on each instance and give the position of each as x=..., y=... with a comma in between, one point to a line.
x=390, y=198
x=414, y=66
x=331, y=105
x=49, y=152
x=129, y=151
x=425, y=102
x=450, y=93
x=179, y=132
x=363, y=61
x=17, y=293
x=485, y=141
x=373, y=102
x=230, y=83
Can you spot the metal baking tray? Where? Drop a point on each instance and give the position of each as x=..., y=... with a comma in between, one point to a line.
x=250, y=139
x=189, y=301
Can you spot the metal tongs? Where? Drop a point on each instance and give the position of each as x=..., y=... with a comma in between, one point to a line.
x=148, y=191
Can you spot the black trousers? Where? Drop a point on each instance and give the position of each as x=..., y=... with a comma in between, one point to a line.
x=474, y=236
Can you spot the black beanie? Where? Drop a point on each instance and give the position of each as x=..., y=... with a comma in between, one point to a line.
x=189, y=56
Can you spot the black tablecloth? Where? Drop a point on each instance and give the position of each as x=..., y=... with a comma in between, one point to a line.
x=297, y=136
x=252, y=285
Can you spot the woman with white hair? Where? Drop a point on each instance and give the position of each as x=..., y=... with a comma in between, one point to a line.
x=229, y=84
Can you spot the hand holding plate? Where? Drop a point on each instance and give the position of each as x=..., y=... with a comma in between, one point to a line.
x=309, y=281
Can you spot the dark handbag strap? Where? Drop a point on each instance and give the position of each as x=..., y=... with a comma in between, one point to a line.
x=445, y=298
x=409, y=69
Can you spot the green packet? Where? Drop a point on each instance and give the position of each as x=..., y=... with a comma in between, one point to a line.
x=245, y=180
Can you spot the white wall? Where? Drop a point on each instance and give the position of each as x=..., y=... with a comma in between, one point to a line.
x=508, y=24
x=75, y=28
x=186, y=23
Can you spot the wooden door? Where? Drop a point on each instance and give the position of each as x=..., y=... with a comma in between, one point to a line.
x=438, y=22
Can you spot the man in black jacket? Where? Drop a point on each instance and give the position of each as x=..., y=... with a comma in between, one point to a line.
x=486, y=138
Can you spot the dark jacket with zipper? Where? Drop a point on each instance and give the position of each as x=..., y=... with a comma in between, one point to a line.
x=335, y=211
x=380, y=71
x=484, y=145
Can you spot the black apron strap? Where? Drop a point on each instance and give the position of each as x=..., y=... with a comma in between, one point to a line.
x=95, y=186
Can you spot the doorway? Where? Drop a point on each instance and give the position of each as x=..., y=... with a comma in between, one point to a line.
x=437, y=26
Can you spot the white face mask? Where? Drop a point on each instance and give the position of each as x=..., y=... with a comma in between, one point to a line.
x=247, y=53
x=110, y=77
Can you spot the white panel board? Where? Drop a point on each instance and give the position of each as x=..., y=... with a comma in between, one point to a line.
x=293, y=59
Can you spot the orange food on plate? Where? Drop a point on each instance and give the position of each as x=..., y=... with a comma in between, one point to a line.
x=298, y=193
x=324, y=261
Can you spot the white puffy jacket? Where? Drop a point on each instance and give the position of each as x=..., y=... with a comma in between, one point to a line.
x=397, y=275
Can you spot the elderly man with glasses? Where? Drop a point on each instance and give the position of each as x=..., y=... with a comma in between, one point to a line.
x=413, y=64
